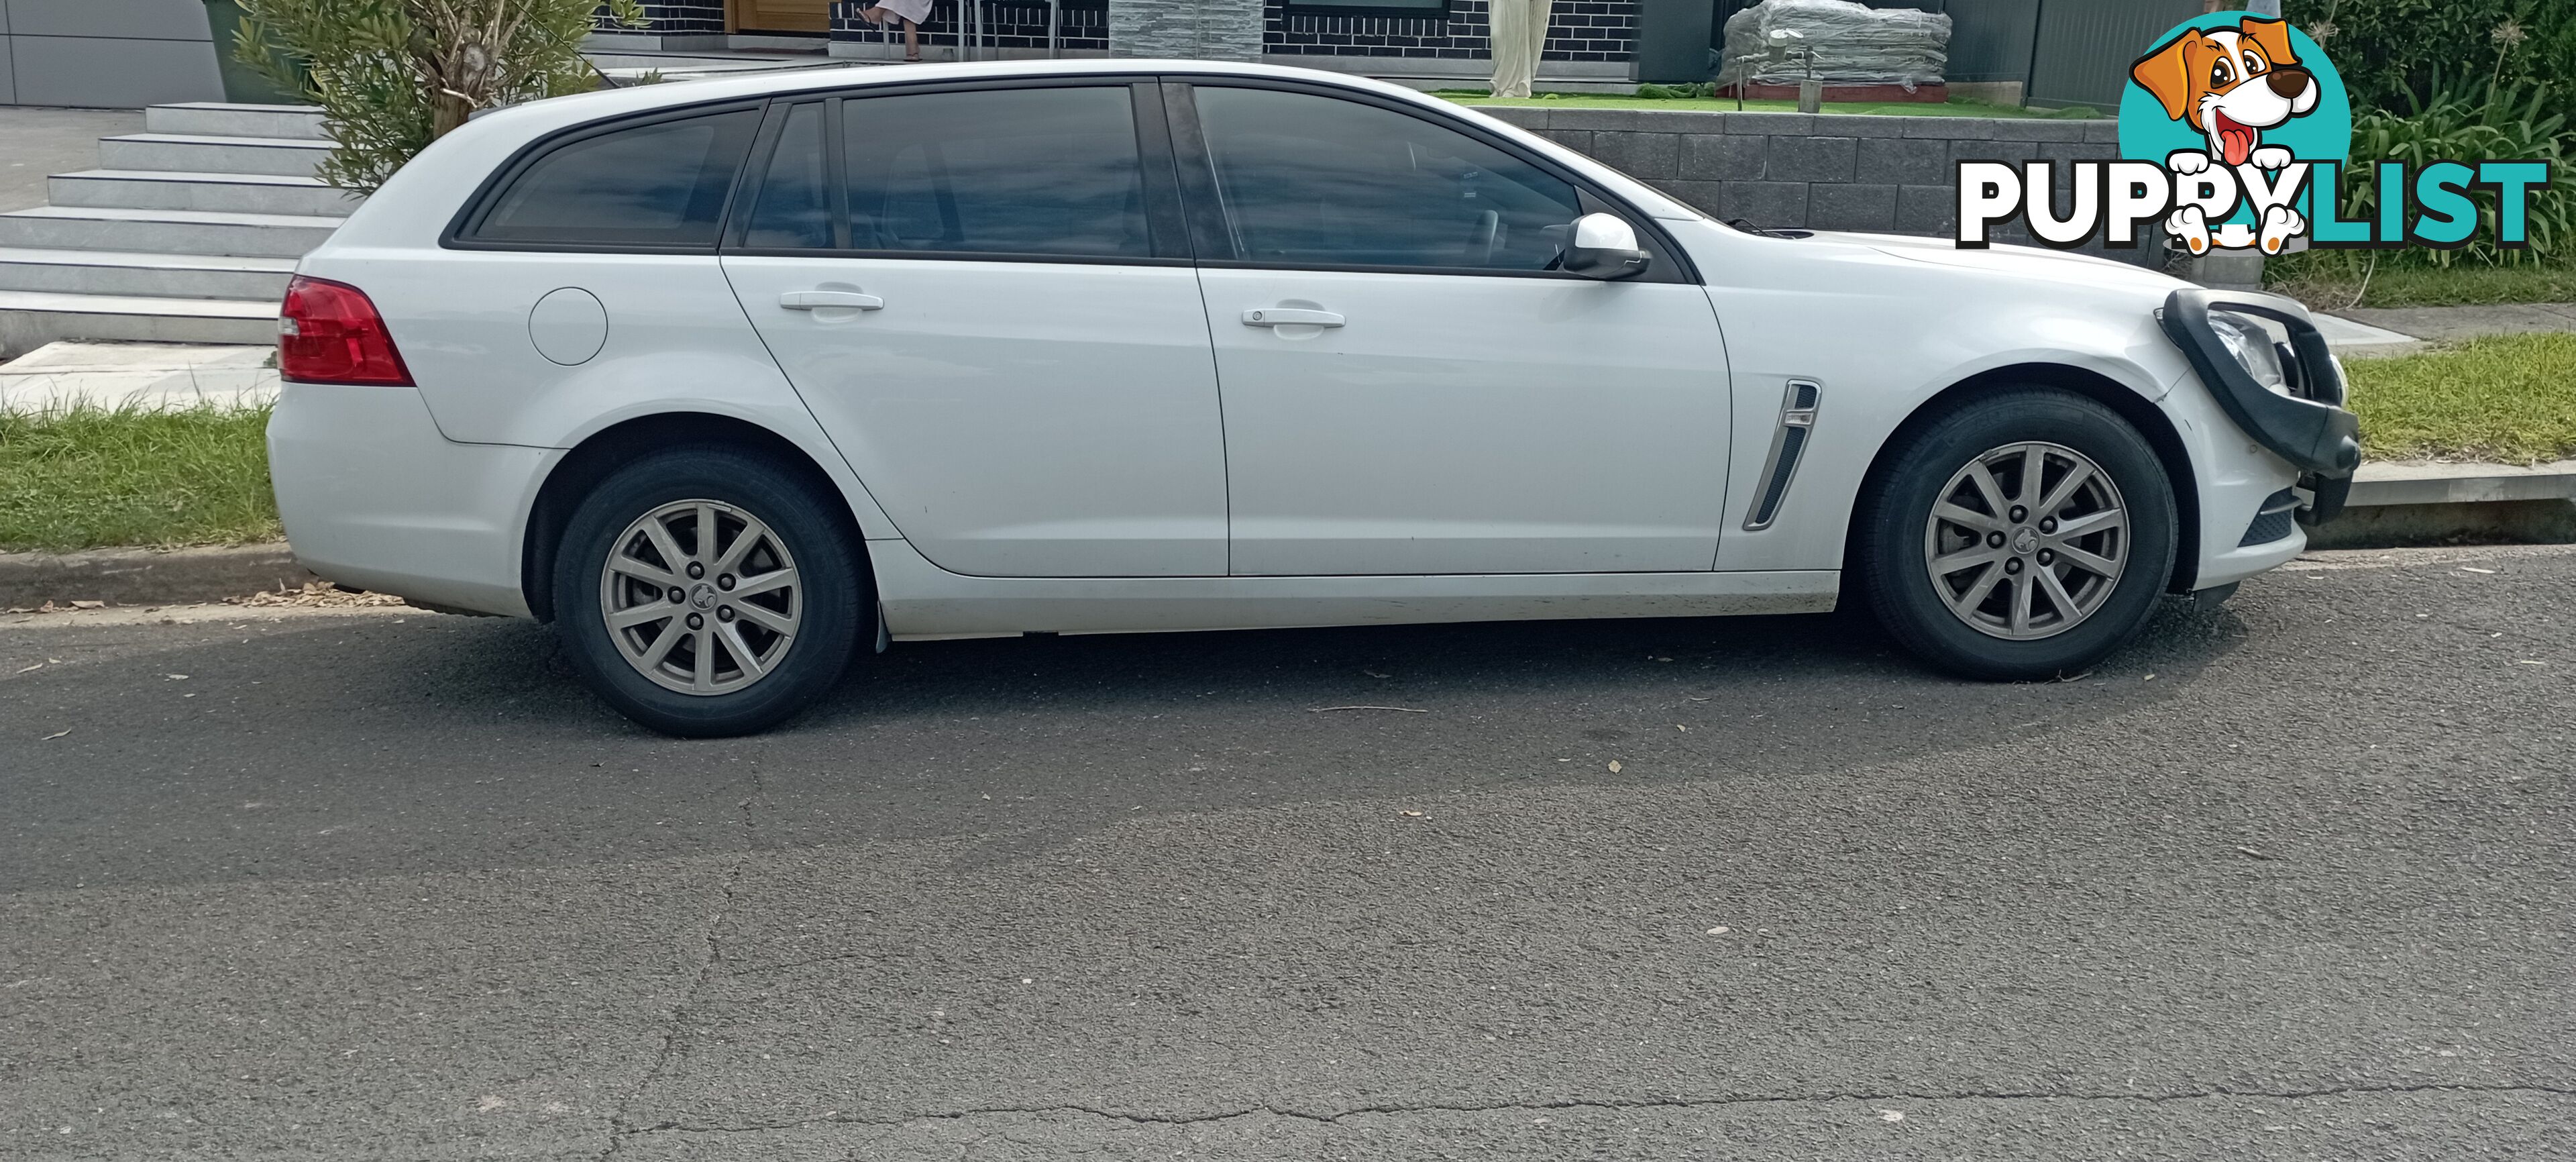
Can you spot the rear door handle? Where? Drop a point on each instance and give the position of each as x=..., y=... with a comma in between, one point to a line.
x=1290, y=317
x=827, y=299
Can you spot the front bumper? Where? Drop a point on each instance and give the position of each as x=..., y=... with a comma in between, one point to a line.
x=2311, y=428
x=372, y=496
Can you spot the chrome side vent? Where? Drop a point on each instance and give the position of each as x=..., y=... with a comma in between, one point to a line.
x=1797, y=421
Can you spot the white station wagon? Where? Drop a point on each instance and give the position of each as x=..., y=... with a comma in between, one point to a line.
x=735, y=380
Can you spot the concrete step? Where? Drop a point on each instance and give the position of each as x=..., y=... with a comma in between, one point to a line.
x=164, y=231
x=192, y=153
x=217, y=119
x=176, y=276
x=231, y=193
x=31, y=319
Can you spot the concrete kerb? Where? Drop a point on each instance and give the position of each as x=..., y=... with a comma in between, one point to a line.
x=2393, y=505
x=2396, y=504
x=147, y=576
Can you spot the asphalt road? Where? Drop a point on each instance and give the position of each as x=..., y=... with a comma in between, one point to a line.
x=2292, y=879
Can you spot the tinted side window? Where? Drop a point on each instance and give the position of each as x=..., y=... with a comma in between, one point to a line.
x=1006, y=171
x=1311, y=180
x=662, y=184
x=794, y=210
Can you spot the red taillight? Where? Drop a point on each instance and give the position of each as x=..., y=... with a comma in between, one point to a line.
x=328, y=332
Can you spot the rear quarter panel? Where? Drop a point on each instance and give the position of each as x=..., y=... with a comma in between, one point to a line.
x=677, y=339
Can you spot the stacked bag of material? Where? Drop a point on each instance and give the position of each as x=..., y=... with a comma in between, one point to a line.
x=1853, y=43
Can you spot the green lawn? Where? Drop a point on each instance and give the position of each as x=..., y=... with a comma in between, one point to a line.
x=88, y=478
x=2333, y=280
x=2508, y=398
x=1727, y=105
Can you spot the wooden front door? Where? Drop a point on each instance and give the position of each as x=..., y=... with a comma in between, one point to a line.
x=813, y=16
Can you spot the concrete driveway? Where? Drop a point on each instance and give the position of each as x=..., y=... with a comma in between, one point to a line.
x=43, y=142
x=2291, y=879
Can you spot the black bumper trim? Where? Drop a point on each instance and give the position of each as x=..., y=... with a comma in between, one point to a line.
x=2314, y=433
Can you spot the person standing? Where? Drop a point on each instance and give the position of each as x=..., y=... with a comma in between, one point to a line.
x=911, y=12
x=1519, y=33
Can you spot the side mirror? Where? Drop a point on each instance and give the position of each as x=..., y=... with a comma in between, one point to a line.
x=1605, y=247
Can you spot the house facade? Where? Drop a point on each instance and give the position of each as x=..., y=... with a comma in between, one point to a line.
x=127, y=53
x=1589, y=42
x=1999, y=49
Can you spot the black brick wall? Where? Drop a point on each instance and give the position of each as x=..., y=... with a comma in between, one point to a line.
x=1579, y=30
x=673, y=18
x=1007, y=25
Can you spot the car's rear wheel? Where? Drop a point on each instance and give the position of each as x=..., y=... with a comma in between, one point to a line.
x=703, y=592
x=2024, y=535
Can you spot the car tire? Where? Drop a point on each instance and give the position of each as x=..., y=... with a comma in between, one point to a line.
x=768, y=616
x=2091, y=579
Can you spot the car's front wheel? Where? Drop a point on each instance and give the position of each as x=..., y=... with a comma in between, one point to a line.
x=2024, y=535
x=705, y=592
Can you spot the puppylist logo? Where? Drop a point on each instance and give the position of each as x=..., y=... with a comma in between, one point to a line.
x=2231, y=126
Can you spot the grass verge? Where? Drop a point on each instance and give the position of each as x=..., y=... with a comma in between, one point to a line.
x=91, y=477
x=2333, y=280
x=2508, y=398
x=1727, y=105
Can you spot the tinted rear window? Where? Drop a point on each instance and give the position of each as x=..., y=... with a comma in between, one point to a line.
x=662, y=184
x=1008, y=171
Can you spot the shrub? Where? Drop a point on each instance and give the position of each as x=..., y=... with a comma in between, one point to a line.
x=2393, y=54
x=2503, y=124
x=392, y=76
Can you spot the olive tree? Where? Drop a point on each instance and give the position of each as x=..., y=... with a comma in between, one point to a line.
x=392, y=76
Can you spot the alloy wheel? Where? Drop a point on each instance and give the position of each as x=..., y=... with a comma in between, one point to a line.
x=2026, y=540
x=701, y=597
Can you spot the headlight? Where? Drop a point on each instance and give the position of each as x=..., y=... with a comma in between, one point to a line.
x=2251, y=344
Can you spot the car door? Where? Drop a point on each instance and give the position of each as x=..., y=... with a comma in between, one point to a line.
x=984, y=294
x=1409, y=385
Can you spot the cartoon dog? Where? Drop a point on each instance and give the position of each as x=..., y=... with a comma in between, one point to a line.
x=2231, y=84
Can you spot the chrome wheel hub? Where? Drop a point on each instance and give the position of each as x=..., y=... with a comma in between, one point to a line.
x=701, y=597
x=2026, y=541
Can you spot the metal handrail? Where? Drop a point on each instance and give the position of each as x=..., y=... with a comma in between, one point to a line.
x=973, y=28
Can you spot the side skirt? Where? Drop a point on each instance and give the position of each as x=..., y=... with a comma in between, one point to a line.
x=921, y=600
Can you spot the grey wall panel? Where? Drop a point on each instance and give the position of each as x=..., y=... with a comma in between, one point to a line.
x=2087, y=46
x=4, y=17
x=144, y=19
x=1990, y=39
x=8, y=80
x=104, y=73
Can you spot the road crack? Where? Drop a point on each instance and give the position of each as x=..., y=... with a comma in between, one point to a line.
x=710, y=953
x=1614, y=1104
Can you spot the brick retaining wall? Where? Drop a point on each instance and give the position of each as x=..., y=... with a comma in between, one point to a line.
x=1822, y=171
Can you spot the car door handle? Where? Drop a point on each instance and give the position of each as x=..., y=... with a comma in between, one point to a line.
x=1290, y=317
x=827, y=299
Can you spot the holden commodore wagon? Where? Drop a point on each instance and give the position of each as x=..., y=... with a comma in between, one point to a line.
x=736, y=381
